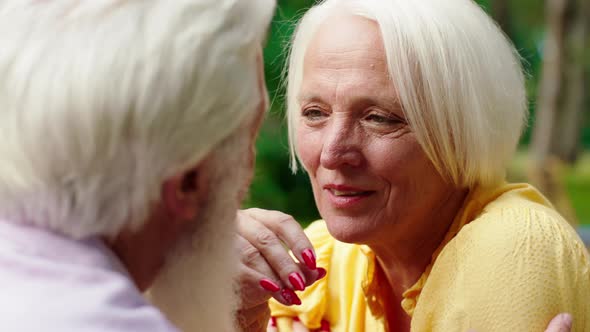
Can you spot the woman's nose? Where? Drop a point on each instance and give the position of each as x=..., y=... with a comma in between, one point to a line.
x=341, y=148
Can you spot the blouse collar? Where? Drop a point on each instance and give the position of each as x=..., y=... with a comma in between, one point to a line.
x=473, y=205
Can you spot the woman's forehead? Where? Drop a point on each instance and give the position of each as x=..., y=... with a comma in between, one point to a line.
x=346, y=35
x=346, y=43
x=336, y=59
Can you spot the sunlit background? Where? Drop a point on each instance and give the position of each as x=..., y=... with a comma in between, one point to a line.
x=553, y=38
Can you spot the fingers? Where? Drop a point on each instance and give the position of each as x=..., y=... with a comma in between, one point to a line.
x=314, y=275
x=561, y=323
x=272, y=325
x=325, y=326
x=267, y=268
x=266, y=231
x=257, y=281
x=299, y=327
x=254, y=291
x=289, y=231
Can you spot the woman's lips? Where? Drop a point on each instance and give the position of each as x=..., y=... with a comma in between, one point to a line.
x=342, y=196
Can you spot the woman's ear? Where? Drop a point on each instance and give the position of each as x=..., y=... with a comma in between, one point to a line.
x=183, y=194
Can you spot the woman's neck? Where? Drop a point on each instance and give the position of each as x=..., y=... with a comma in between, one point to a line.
x=404, y=258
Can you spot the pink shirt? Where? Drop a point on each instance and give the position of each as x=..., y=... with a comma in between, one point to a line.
x=49, y=282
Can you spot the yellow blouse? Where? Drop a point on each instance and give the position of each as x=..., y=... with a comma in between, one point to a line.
x=509, y=262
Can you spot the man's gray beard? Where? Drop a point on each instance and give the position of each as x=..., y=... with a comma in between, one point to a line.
x=195, y=287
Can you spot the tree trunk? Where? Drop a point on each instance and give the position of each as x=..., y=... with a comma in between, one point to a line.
x=560, y=108
x=567, y=145
x=551, y=87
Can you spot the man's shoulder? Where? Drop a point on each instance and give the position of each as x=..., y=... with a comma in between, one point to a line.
x=41, y=292
x=78, y=303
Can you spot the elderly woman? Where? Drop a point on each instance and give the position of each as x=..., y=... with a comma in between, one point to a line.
x=404, y=115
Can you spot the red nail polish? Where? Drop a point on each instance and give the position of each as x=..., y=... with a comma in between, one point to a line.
x=297, y=281
x=325, y=327
x=269, y=285
x=321, y=272
x=296, y=299
x=287, y=294
x=309, y=259
x=290, y=296
x=273, y=321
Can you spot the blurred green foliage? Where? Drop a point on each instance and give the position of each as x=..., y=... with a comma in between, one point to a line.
x=276, y=188
x=578, y=186
x=576, y=179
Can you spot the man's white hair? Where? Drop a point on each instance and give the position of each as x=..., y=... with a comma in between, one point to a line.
x=459, y=80
x=100, y=101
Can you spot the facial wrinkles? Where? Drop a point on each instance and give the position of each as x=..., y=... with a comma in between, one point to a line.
x=347, y=80
x=348, y=74
x=346, y=94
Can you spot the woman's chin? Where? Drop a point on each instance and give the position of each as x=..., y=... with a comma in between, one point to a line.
x=350, y=230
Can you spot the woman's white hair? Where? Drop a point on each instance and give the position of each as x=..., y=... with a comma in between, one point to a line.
x=458, y=77
x=100, y=101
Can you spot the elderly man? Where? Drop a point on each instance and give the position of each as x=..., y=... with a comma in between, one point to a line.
x=126, y=135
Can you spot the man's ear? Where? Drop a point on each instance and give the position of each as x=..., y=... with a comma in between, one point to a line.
x=183, y=194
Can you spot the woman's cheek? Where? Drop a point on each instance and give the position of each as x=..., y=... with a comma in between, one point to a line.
x=309, y=145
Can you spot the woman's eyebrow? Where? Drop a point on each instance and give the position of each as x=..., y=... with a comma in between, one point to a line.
x=392, y=104
x=308, y=97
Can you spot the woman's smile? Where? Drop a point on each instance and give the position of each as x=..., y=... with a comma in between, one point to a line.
x=345, y=197
x=366, y=167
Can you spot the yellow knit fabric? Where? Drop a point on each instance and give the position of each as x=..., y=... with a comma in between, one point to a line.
x=508, y=263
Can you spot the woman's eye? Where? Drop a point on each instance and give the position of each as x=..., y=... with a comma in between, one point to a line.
x=381, y=119
x=313, y=114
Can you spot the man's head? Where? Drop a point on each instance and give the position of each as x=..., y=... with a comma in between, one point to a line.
x=103, y=101
x=117, y=117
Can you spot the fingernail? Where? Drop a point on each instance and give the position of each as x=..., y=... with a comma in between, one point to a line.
x=297, y=281
x=321, y=272
x=290, y=296
x=269, y=285
x=296, y=299
x=568, y=321
x=273, y=321
x=309, y=259
x=325, y=327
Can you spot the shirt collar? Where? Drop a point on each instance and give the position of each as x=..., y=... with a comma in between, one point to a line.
x=34, y=241
x=474, y=203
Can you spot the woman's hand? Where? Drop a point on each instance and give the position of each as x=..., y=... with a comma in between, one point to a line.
x=561, y=323
x=266, y=267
